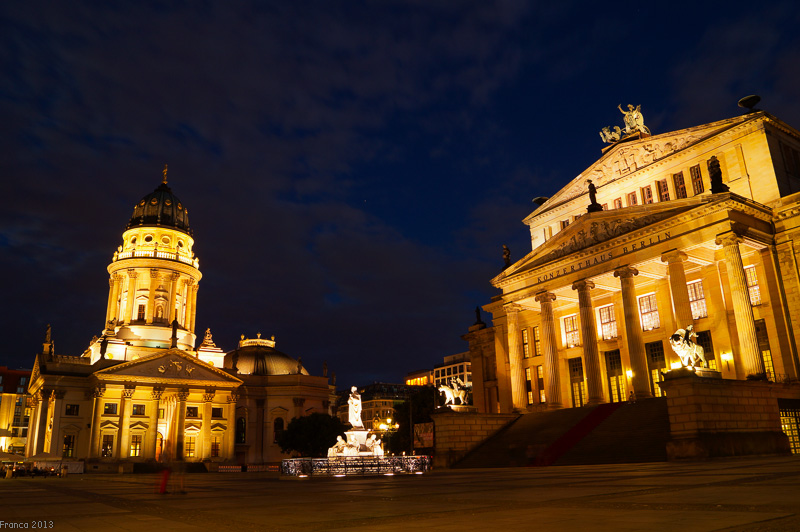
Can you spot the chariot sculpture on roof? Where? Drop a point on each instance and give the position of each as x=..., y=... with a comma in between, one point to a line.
x=634, y=123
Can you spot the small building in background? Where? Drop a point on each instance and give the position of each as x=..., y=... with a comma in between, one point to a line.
x=14, y=409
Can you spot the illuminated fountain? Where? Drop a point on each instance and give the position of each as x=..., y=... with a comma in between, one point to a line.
x=360, y=454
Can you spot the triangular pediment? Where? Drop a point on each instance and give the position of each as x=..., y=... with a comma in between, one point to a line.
x=625, y=158
x=173, y=366
x=598, y=228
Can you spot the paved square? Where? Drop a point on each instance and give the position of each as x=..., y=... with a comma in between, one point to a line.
x=749, y=494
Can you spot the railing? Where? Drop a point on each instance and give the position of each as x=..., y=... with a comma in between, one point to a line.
x=156, y=254
x=355, y=466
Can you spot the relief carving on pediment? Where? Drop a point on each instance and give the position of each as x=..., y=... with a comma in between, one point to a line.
x=600, y=231
x=629, y=159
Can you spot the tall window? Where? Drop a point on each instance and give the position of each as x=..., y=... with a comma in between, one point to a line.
x=632, y=199
x=215, y=446
x=648, y=310
x=140, y=313
x=655, y=362
x=68, y=451
x=608, y=322
x=697, y=301
x=188, y=447
x=241, y=430
x=576, y=382
x=616, y=377
x=752, y=285
x=107, y=450
x=540, y=383
x=697, y=179
x=704, y=341
x=571, y=330
x=680, y=186
x=537, y=342
x=663, y=190
x=526, y=350
x=278, y=427
x=647, y=195
x=529, y=385
x=136, y=445
x=618, y=203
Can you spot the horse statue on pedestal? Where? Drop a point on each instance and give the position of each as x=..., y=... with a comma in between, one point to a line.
x=457, y=391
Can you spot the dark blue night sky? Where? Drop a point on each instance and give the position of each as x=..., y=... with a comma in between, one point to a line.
x=351, y=169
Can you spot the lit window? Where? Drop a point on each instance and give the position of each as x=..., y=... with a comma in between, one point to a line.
x=537, y=342
x=540, y=383
x=648, y=309
x=680, y=186
x=647, y=195
x=68, y=451
x=110, y=408
x=136, y=444
x=632, y=199
x=697, y=179
x=618, y=203
x=138, y=410
x=188, y=447
x=608, y=322
x=571, y=330
x=526, y=351
x=752, y=285
x=107, y=450
x=697, y=300
x=663, y=190
x=529, y=385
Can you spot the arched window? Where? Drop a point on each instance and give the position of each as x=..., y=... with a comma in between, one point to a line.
x=278, y=427
x=241, y=430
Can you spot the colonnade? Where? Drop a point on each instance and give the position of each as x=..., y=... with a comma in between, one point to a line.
x=674, y=259
x=129, y=283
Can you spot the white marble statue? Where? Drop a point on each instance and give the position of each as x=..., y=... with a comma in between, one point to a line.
x=354, y=410
x=453, y=392
x=691, y=353
x=338, y=447
x=374, y=446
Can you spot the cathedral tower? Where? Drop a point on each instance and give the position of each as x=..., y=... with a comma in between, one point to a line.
x=154, y=279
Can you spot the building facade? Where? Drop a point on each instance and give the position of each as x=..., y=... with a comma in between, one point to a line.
x=693, y=227
x=14, y=409
x=141, y=391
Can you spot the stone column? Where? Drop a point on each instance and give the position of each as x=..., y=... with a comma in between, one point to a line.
x=180, y=424
x=591, y=356
x=519, y=399
x=55, y=440
x=208, y=398
x=749, y=353
x=44, y=418
x=173, y=285
x=132, y=275
x=189, y=307
x=550, y=346
x=33, y=424
x=230, y=431
x=123, y=445
x=112, y=288
x=193, y=313
x=151, y=297
x=677, y=285
x=94, y=440
x=155, y=398
x=633, y=332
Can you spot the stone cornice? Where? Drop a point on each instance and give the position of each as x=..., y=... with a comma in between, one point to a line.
x=146, y=263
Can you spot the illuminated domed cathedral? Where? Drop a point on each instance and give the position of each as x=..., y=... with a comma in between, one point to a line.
x=141, y=391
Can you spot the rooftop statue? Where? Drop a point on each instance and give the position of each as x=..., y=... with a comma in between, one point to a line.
x=634, y=123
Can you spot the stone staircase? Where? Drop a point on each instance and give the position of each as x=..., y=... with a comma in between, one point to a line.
x=604, y=434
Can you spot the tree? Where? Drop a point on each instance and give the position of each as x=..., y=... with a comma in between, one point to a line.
x=311, y=436
x=420, y=404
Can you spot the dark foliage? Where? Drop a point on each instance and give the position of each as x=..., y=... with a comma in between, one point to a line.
x=311, y=436
x=417, y=409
